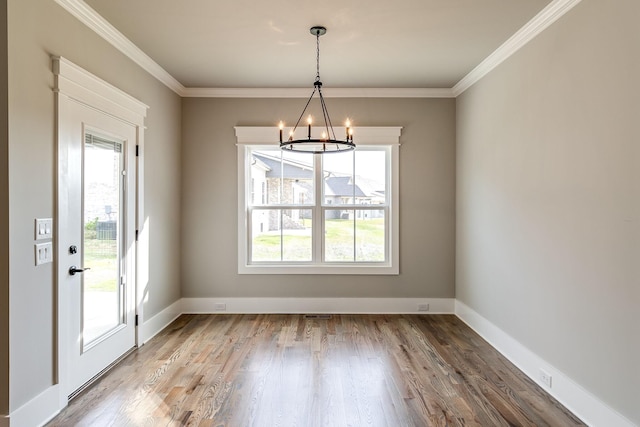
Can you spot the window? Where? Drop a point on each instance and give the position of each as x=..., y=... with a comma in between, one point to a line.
x=301, y=213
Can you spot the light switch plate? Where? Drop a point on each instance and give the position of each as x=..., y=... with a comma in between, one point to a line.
x=44, y=228
x=44, y=253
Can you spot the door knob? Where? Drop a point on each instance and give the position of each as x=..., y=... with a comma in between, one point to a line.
x=73, y=270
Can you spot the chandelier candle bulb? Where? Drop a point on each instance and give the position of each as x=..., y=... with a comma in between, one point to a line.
x=347, y=126
x=309, y=120
x=281, y=126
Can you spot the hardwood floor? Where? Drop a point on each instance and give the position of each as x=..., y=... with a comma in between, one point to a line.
x=288, y=370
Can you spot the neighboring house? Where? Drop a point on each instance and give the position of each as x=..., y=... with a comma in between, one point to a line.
x=342, y=190
x=286, y=181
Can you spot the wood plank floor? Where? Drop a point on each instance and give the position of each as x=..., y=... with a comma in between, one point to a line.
x=288, y=370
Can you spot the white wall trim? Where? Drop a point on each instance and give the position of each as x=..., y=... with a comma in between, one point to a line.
x=547, y=16
x=317, y=305
x=193, y=92
x=38, y=411
x=153, y=326
x=104, y=29
x=367, y=135
x=582, y=403
x=79, y=84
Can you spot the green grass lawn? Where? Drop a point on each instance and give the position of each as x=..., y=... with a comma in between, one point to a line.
x=101, y=257
x=339, y=242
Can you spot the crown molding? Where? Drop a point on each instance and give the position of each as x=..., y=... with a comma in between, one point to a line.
x=327, y=92
x=104, y=29
x=91, y=18
x=547, y=16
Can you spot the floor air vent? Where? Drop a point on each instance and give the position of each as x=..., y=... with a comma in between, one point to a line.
x=317, y=316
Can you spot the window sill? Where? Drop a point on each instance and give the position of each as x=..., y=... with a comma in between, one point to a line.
x=372, y=270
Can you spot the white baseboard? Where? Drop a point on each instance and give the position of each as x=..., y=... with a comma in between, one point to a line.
x=586, y=406
x=317, y=305
x=151, y=327
x=38, y=411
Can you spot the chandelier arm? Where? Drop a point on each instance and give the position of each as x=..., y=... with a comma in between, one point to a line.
x=305, y=108
x=327, y=120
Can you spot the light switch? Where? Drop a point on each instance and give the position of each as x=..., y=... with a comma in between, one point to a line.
x=44, y=228
x=44, y=253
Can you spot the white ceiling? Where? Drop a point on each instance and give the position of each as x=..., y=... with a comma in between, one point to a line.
x=369, y=44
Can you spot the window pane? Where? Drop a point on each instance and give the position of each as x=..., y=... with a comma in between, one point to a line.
x=296, y=235
x=354, y=235
x=337, y=172
x=359, y=183
x=338, y=236
x=370, y=177
x=281, y=235
x=279, y=177
x=370, y=239
x=265, y=235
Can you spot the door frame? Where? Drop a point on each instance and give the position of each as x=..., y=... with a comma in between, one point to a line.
x=75, y=83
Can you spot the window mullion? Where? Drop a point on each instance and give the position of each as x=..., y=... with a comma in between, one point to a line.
x=317, y=231
x=281, y=227
x=353, y=201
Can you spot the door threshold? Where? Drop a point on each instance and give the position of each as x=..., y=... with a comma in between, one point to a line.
x=100, y=374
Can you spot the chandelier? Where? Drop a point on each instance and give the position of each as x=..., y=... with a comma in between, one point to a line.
x=327, y=142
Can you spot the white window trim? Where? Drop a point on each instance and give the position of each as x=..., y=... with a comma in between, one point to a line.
x=252, y=136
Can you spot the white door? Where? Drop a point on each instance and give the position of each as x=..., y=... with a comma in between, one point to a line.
x=96, y=247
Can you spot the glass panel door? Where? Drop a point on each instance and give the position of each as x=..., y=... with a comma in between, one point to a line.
x=102, y=296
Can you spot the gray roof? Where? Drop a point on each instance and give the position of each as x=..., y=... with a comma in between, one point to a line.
x=290, y=168
x=342, y=186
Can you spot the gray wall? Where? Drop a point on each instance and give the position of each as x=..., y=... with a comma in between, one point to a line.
x=548, y=199
x=37, y=29
x=427, y=200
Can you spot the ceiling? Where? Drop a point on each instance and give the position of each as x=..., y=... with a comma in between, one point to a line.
x=369, y=44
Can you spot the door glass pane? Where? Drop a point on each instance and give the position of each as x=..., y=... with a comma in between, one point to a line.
x=102, y=214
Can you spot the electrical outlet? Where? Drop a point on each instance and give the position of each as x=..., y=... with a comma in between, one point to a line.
x=545, y=378
x=220, y=306
x=44, y=253
x=423, y=307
